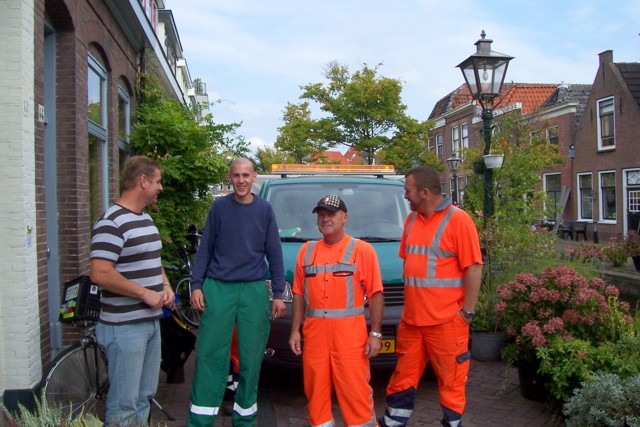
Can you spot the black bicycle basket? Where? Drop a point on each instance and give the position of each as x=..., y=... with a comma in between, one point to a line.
x=81, y=300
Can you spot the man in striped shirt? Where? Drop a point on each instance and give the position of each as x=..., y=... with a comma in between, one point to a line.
x=125, y=263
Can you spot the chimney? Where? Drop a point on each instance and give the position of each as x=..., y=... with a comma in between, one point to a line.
x=606, y=57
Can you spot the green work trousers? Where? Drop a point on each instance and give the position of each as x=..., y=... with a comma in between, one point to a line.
x=228, y=304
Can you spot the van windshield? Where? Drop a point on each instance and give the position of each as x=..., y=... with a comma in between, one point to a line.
x=375, y=211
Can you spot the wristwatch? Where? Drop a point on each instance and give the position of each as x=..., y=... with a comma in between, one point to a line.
x=375, y=334
x=467, y=314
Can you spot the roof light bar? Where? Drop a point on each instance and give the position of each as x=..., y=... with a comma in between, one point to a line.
x=317, y=169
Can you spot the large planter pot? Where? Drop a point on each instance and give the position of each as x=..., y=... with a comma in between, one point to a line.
x=636, y=262
x=493, y=161
x=486, y=346
x=531, y=382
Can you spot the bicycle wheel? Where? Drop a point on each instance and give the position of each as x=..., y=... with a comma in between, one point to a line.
x=187, y=313
x=76, y=381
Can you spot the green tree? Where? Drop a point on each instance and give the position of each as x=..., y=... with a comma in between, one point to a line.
x=267, y=156
x=301, y=137
x=362, y=110
x=519, y=199
x=193, y=156
x=407, y=149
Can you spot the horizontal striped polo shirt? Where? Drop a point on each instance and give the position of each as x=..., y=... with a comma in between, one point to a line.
x=131, y=241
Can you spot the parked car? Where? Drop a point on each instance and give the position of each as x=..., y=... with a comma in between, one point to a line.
x=376, y=211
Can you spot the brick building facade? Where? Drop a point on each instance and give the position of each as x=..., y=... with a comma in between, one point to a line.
x=68, y=79
x=606, y=167
x=595, y=126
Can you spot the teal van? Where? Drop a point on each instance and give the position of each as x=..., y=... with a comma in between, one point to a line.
x=377, y=209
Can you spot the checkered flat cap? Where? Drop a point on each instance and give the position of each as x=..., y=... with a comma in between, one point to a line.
x=331, y=203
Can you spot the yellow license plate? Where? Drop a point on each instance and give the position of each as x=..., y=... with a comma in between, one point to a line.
x=388, y=346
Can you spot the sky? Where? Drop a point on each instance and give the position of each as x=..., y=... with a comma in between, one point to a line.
x=254, y=55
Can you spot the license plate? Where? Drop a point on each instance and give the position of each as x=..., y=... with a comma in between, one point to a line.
x=388, y=346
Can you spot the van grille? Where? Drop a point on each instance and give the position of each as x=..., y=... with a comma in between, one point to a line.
x=394, y=294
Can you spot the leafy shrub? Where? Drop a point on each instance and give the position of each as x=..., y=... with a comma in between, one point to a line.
x=486, y=318
x=508, y=250
x=559, y=302
x=615, y=251
x=607, y=400
x=194, y=154
x=567, y=364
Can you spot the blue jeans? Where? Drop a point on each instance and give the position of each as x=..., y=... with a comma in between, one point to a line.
x=133, y=356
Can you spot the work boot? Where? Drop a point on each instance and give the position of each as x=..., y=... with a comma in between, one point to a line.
x=445, y=423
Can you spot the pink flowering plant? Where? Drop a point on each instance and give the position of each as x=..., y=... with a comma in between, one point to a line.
x=585, y=252
x=557, y=303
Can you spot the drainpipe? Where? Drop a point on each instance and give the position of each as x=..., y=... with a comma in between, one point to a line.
x=140, y=81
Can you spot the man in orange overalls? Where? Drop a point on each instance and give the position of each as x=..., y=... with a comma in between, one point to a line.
x=330, y=282
x=442, y=272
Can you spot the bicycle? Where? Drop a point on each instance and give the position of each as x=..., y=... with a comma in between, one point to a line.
x=77, y=379
x=182, y=288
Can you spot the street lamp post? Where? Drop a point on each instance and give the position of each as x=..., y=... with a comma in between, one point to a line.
x=454, y=163
x=484, y=74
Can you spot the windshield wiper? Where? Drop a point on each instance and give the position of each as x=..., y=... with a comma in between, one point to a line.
x=294, y=239
x=378, y=239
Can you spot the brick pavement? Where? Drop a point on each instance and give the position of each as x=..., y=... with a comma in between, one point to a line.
x=493, y=399
x=493, y=395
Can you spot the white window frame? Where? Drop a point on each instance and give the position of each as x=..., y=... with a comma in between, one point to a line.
x=535, y=133
x=581, y=215
x=439, y=146
x=464, y=135
x=455, y=141
x=100, y=131
x=630, y=180
x=544, y=181
x=601, y=197
x=599, y=105
x=124, y=144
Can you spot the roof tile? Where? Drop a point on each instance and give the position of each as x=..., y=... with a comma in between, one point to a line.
x=531, y=95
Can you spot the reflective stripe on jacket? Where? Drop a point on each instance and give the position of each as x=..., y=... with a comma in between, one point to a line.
x=436, y=251
x=433, y=253
x=344, y=269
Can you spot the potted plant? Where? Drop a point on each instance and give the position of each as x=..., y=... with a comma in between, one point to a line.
x=495, y=157
x=493, y=161
x=487, y=334
x=558, y=303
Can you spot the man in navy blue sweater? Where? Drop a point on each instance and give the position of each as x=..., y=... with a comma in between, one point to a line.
x=228, y=285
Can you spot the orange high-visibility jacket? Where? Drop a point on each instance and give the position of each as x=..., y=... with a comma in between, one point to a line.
x=332, y=284
x=436, y=252
x=333, y=280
